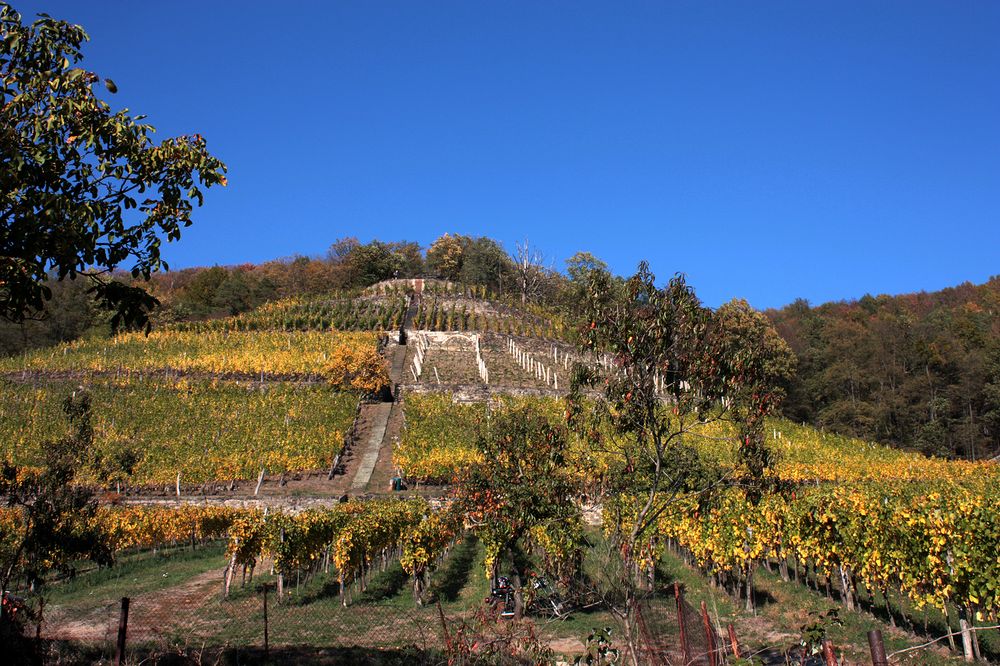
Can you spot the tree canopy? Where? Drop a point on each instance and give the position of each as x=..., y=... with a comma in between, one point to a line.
x=83, y=188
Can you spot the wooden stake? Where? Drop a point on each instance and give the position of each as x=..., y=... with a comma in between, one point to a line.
x=680, y=623
x=266, y=646
x=709, y=636
x=966, y=639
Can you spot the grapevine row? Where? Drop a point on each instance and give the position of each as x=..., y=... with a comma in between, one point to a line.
x=934, y=542
x=311, y=314
x=202, y=429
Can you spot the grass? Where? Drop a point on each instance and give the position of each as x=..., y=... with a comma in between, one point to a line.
x=135, y=575
x=456, y=572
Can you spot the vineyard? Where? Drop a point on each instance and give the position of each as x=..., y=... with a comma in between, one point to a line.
x=448, y=314
x=281, y=389
x=337, y=312
x=925, y=528
x=346, y=360
x=203, y=429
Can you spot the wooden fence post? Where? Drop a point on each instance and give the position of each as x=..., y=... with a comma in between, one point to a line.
x=966, y=636
x=735, y=643
x=122, y=631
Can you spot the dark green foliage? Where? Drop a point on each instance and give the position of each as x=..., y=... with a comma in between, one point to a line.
x=83, y=189
x=917, y=370
x=69, y=315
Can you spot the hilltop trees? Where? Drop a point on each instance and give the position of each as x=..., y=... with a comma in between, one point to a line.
x=471, y=260
x=83, y=189
x=445, y=257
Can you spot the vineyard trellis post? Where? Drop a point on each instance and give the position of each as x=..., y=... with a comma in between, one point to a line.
x=264, y=587
x=734, y=642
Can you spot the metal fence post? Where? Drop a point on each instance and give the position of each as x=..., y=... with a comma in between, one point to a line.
x=266, y=645
x=122, y=631
x=877, y=648
x=828, y=656
x=680, y=622
x=709, y=635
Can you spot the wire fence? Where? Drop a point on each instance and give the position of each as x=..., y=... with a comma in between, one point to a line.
x=251, y=622
x=196, y=622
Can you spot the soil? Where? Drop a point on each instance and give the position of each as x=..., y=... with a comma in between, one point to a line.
x=147, y=611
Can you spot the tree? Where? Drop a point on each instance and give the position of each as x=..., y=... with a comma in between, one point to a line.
x=54, y=525
x=756, y=364
x=521, y=488
x=665, y=367
x=529, y=270
x=237, y=293
x=200, y=292
x=581, y=268
x=445, y=257
x=409, y=258
x=372, y=263
x=70, y=314
x=83, y=189
x=485, y=262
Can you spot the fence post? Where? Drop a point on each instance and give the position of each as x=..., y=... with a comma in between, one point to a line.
x=266, y=645
x=828, y=656
x=709, y=636
x=122, y=631
x=966, y=636
x=734, y=641
x=680, y=622
x=877, y=647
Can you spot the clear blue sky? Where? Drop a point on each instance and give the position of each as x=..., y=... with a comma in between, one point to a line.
x=770, y=150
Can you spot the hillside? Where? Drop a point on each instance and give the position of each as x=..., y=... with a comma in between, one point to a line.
x=916, y=370
x=280, y=407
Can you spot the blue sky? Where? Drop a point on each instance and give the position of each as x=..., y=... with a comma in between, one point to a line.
x=770, y=150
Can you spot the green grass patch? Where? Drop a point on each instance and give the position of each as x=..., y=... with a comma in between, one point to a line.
x=135, y=575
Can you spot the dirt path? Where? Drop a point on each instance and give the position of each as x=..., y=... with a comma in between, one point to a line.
x=150, y=614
